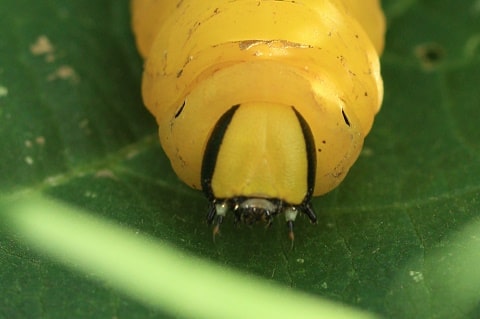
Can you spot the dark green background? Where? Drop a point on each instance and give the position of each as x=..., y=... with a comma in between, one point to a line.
x=86, y=139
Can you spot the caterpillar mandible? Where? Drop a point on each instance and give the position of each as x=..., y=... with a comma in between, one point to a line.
x=261, y=104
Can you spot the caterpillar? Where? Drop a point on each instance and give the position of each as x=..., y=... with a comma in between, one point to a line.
x=261, y=104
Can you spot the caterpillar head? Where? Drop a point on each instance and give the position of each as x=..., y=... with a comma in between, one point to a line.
x=259, y=162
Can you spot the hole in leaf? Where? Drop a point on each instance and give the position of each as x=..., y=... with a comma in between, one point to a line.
x=430, y=54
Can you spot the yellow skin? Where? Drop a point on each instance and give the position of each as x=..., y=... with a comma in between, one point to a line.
x=203, y=57
x=256, y=158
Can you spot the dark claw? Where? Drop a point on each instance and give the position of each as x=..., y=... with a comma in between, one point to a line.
x=216, y=228
x=308, y=210
x=291, y=234
x=212, y=212
x=237, y=217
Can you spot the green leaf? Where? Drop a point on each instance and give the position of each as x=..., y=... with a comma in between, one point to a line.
x=156, y=274
x=399, y=237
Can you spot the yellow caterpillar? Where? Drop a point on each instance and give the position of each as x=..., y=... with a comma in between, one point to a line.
x=261, y=104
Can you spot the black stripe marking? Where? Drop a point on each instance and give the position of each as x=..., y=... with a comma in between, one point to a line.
x=210, y=155
x=311, y=155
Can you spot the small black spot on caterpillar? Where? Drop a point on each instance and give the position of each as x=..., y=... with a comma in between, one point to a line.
x=180, y=110
x=345, y=118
